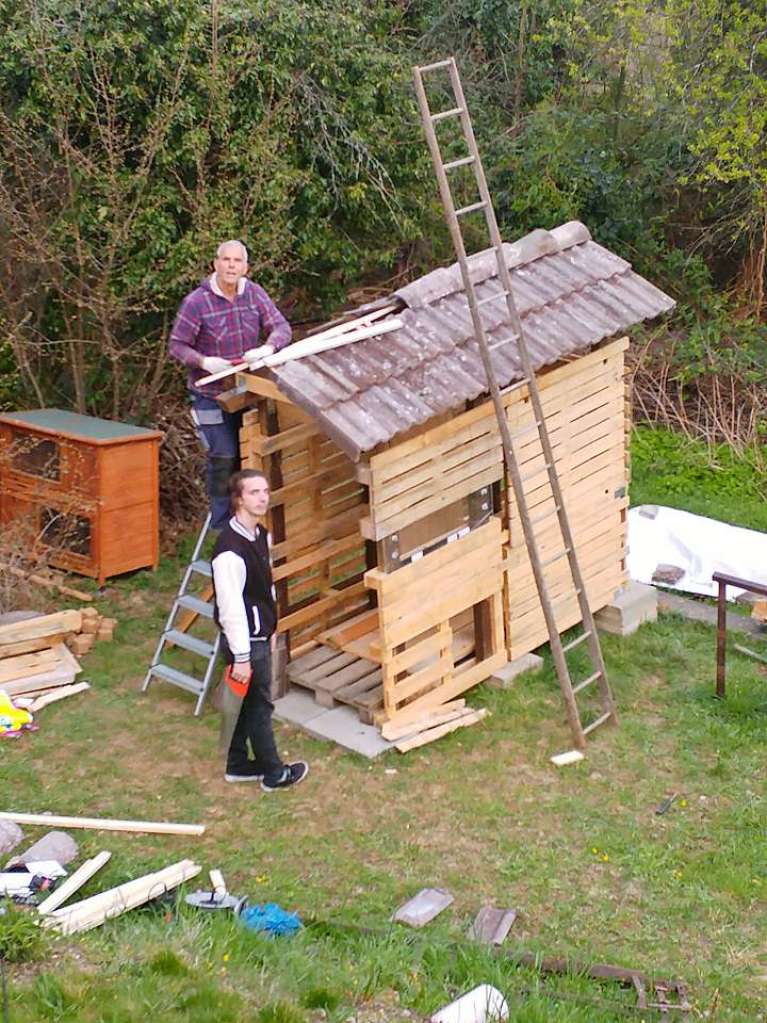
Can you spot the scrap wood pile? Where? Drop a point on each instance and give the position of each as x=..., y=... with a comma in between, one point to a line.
x=38, y=661
x=431, y=725
x=35, y=878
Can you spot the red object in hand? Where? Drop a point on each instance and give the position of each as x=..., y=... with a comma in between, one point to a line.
x=238, y=687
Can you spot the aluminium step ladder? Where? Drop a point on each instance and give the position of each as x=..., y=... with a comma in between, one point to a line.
x=175, y=634
x=453, y=216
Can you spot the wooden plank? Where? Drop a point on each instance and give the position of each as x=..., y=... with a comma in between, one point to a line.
x=309, y=677
x=346, y=676
x=320, y=554
x=467, y=718
x=349, y=693
x=424, y=679
x=460, y=683
x=14, y=668
x=262, y=386
x=291, y=437
x=351, y=629
x=73, y=883
x=37, y=628
x=50, y=820
x=316, y=609
x=392, y=731
x=59, y=693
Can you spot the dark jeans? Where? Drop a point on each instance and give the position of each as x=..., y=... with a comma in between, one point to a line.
x=255, y=722
x=219, y=433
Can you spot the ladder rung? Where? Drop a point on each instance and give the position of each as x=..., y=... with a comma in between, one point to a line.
x=202, y=568
x=502, y=342
x=534, y=475
x=586, y=682
x=200, y=607
x=528, y=429
x=178, y=678
x=545, y=516
x=557, y=557
x=187, y=642
x=576, y=642
x=433, y=67
x=599, y=721
x=463, y=162
x=492, y=298
x=446, y=113
x=471, y=208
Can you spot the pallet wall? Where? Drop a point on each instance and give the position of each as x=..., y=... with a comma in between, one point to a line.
x=584, y=405
x=415, y=608
x=317, y=502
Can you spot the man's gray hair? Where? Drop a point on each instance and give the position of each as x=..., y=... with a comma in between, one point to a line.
x=232, y=241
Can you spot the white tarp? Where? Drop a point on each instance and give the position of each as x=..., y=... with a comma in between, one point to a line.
x=696, y=545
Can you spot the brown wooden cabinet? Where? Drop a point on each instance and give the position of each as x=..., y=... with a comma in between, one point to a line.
x=86, y=488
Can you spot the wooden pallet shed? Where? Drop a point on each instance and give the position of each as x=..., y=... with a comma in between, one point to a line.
x=397, y=538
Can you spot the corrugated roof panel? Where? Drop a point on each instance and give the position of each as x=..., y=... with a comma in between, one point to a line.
x=569, y=291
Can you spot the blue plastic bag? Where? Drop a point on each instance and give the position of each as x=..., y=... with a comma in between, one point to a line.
x=270, y=918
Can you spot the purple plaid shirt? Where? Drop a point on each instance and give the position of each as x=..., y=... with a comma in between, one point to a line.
x=209, y=324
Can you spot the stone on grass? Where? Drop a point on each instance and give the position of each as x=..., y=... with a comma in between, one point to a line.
x=423, y=907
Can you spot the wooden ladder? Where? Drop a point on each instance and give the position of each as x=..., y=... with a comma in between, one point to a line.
x=454, y=216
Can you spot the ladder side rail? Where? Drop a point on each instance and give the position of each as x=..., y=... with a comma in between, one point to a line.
x=500, y=411
x=587, y=618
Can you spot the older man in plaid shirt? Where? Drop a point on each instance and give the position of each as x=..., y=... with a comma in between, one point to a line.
x=218, y=324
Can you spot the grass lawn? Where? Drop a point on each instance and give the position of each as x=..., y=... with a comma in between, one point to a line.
x=595, y=874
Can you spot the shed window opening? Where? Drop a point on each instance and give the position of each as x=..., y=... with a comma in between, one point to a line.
x=451, y=523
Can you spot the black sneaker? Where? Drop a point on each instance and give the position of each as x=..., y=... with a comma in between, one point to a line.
x=248, y=774
x=292, y=774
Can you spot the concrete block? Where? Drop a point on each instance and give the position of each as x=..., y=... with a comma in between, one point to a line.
x=632, y=606
x=344, y=727
x=503, y=677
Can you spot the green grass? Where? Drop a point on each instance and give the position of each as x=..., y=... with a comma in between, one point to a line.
x=594, y=873
x=667, y=468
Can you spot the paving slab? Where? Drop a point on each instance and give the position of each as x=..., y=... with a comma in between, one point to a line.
x=297, y=707
x=492, y=925
x=697, y=611
x=343, y=726
x=423, y=907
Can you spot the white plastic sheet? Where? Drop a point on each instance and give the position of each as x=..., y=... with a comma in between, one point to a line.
x=696, y=545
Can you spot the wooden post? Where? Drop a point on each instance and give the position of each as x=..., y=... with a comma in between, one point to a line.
x=721, y=638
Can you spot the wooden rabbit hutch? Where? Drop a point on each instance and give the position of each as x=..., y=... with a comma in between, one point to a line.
x=86, y=489
x=402, y=573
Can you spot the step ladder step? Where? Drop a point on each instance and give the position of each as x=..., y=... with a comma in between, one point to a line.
x=503, y=341
x=586, y=682
x=533, y=428
x=536, y=474
x=178, y=678
x=423, y=68
x=191, y=643
x=545, y=516
x=601, y=720
x=200, y=607
x=202, y=567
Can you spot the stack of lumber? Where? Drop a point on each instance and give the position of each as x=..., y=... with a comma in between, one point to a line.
x=94, y=627
x=427, y=727
x=36, y=662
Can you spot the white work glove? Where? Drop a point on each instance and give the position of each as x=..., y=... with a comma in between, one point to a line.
x=257, y=354
x=214, y=364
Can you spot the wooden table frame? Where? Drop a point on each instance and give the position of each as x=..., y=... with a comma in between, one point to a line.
x=721, y=620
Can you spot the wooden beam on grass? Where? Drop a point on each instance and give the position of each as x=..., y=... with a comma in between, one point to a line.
x=50, y=820
x=41, y=626
x=469, y=718
x=72, y=884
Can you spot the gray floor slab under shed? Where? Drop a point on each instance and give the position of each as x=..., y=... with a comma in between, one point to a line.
x=340, y=725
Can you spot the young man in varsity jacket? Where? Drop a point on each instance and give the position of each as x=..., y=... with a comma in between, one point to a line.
x=246, y=613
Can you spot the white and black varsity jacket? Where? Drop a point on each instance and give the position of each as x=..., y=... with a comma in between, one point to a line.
x=245, y=607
